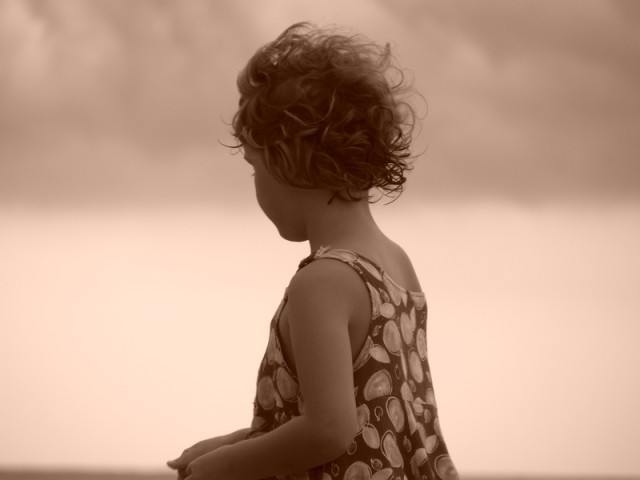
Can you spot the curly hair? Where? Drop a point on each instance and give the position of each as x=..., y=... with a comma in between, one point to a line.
x=324, y=110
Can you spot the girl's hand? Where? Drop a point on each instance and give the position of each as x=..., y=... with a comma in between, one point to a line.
x=205, y=467
x=195, y=451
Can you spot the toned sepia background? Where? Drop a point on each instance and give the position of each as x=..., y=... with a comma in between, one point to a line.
x=138, y=275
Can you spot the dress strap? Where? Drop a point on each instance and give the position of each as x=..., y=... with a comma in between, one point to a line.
x=358, y=262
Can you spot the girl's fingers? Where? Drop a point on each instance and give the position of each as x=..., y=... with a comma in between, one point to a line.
x=177, y=463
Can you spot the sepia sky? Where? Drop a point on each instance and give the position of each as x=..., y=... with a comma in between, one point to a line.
x=129, y=235
x=115, y=101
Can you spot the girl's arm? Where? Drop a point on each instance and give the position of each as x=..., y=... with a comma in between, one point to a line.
x=205, y=446
x=321, y=298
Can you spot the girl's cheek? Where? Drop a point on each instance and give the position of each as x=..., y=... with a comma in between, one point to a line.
x=260, y=190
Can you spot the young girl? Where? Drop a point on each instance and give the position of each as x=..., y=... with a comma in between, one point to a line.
x=344, y=389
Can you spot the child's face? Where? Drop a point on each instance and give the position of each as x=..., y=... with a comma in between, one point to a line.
x=283, y=204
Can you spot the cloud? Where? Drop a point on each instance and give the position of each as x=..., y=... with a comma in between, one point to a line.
x=100, y=99
x=146, y=66
x=529, y=101
x=123, y=101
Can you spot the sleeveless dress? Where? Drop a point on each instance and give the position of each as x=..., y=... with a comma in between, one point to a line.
x=399, y=434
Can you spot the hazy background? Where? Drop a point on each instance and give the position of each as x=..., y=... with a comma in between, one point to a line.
x=138, y=276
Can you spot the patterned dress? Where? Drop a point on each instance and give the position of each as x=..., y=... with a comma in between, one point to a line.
x=399, y=435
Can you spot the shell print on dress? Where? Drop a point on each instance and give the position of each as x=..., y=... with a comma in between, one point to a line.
x=371, y=436
x=266, y=393
x=370, y=350
x=390, y=449
x=376, y=302
x=408, y=326
x=415, y=366
x=445, y=468
x=378, y=385
x=419, y=458
x=363, y=415
x=396, y=413
x=364, y=355
x=286, y=386
x=387, y=310
x=370, y=269
x=358, y=471
x=421, y=343
x=399, y=436
x=391, y=337
x=380, y=354
x=396, y=294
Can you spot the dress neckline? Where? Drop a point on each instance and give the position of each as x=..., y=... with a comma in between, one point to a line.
x=322, y=250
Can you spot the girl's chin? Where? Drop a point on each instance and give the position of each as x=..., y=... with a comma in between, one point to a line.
x=292, y=236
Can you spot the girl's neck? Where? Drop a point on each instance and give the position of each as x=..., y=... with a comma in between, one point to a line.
x=342, y=224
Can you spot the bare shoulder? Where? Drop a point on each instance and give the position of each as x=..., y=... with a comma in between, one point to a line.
x=401, y=255
x=395, y=261
x=407, y=275
x=325, y=298
x=326, y=279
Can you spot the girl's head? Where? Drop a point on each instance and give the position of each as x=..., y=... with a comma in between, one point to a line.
x=323, y=112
